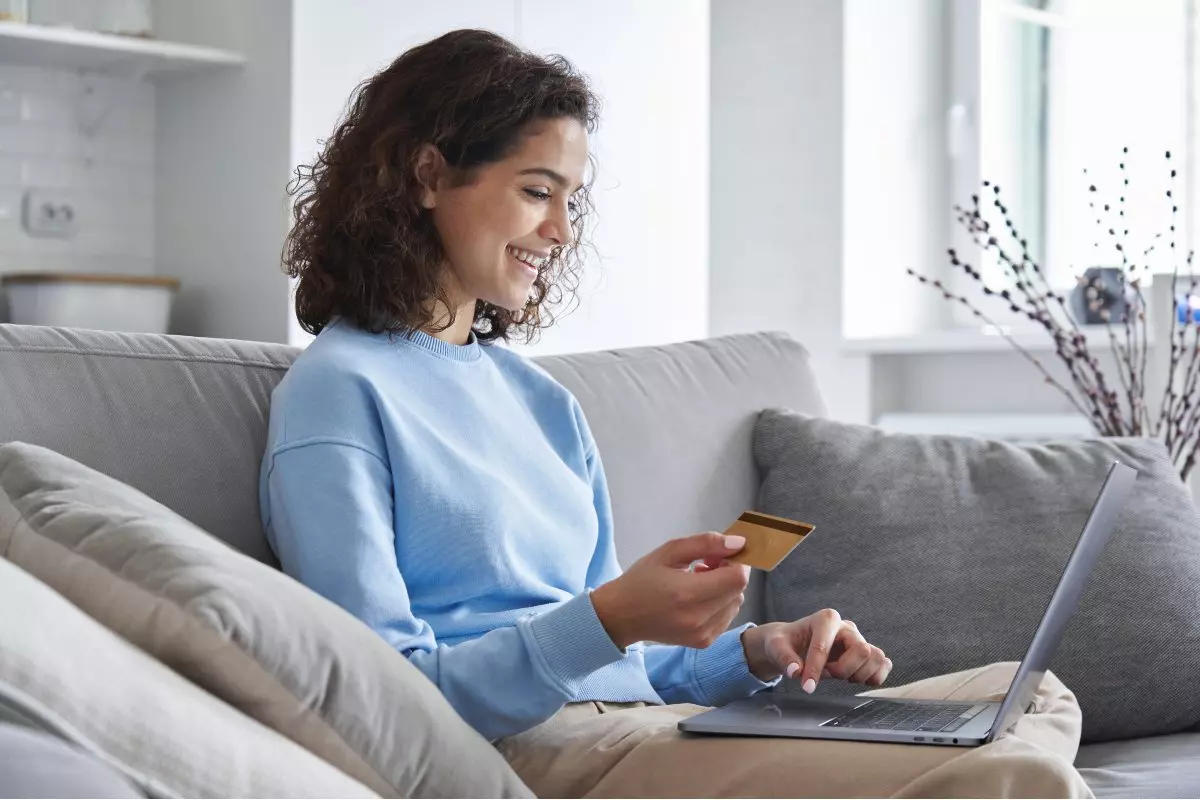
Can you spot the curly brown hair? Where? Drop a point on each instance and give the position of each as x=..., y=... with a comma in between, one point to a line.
x=362, y=245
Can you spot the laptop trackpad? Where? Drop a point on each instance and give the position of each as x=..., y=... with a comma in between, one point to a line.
x=789, y=708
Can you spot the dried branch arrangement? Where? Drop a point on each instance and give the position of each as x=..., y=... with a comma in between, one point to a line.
x=1115, y=408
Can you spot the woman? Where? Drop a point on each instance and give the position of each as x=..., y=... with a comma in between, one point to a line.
x=449, y=493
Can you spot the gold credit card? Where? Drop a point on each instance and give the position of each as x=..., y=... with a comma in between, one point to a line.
x=768, y=539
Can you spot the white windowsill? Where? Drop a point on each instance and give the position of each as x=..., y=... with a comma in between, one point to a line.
x=967, y=340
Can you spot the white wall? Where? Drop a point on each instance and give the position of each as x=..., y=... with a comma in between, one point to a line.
x=108, y=177
x=650, y=64
x=777, y=170
x=649, y=61
x=897, y=203
x=222, y=165
x=336, y=45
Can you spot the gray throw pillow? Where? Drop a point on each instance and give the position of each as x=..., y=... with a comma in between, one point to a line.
x=944, y=550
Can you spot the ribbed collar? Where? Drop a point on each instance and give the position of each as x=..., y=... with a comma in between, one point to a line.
x=471, y=351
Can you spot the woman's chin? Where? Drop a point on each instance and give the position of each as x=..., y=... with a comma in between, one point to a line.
x=510, y=304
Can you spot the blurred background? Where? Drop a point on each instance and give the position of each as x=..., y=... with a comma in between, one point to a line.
x=763, y=165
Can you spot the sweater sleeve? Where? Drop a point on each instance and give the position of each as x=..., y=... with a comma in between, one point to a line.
x=328, y=512
x=711, y=676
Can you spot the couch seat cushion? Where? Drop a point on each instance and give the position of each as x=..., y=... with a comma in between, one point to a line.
x=1156, y=766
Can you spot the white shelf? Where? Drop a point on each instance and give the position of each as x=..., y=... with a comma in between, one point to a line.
x=45, y=46
x=975, y=341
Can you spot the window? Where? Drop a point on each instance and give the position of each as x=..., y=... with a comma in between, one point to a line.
x=1042, y=90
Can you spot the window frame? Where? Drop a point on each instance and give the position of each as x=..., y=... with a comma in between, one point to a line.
x=964, y=106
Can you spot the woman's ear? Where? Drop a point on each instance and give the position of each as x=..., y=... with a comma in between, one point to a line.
x=428, y=167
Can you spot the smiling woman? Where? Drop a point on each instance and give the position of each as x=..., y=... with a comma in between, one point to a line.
x=449, y=493
x=458, y=211
x=505, y=223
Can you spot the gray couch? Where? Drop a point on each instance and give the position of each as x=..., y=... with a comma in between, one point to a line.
x=183, y=420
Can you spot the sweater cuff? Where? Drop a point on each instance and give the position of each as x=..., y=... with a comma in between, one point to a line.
x=572, y=642
x=722, y=673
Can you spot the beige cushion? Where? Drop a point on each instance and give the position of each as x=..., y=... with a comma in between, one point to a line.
x=244, y=631
x=68, y=674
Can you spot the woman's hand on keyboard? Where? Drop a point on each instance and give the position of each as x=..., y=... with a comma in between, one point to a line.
x=832, y=646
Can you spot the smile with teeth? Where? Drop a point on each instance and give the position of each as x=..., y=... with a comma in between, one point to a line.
x=527, y=258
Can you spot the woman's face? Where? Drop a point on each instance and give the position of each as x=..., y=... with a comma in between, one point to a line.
x=499, y=229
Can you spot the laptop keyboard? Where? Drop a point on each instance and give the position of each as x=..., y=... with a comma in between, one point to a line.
x=894, y=716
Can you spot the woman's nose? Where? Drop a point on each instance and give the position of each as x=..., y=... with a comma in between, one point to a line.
x=557, y=228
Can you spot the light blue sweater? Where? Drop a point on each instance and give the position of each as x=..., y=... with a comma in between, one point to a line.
x=452, y=498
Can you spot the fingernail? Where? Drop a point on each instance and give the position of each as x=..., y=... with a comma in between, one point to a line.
x=810, y=686
x=792, y=669
x=734, y=542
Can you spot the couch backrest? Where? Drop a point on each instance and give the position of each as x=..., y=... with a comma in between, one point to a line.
x=180, y=418
x=183, y=419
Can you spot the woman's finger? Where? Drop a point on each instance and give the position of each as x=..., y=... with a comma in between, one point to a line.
x=707, y=564
x=824, y=626
x=719, y=621
x=783, y=655
x=855, y=653
x=869, y=667
x=712, y=588
x=882, y=675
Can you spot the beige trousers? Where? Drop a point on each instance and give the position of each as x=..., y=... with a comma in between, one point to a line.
x=594, y=749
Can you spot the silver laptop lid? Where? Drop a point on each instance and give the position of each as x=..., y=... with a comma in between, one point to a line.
x=1113, y=494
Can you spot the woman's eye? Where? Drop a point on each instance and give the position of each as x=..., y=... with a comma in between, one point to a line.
x=573, y=207
x=537, y=194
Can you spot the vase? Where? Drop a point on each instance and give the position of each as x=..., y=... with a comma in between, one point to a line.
x=1101, y=296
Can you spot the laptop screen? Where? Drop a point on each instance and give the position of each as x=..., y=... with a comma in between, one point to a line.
x=1096, y=531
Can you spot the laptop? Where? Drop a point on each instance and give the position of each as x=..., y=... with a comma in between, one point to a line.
x=933, y=722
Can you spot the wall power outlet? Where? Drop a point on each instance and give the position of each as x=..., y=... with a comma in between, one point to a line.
x=50, y=213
